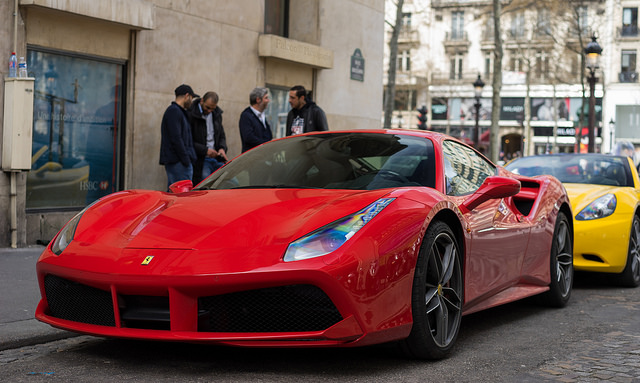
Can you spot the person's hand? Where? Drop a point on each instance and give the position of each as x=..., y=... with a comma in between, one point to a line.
x=212, y=153
x=221, y=153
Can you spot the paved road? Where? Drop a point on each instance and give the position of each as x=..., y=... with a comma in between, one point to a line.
x=595, y=338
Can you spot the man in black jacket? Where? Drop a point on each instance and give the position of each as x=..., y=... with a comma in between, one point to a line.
x=209, y=139
x=254, y=127
x=304, y=116
x=176, y=145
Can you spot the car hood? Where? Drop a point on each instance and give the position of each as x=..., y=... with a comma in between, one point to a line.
x=243, y=220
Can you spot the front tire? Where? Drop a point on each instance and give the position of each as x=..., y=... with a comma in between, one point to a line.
x=436, y=301
x=630, y=276
x=561, y=264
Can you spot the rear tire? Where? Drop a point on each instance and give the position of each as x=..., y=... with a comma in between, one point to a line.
x=630, y=276
x=436, y=301
x=561, y=265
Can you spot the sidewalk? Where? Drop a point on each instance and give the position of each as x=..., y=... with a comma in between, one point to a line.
x=19, y=296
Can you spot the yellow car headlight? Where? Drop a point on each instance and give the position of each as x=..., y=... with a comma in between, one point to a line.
x=600, y=208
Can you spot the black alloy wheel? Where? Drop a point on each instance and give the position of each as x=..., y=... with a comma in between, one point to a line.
x=631, y=274
x=436, y=296
x=561, y=264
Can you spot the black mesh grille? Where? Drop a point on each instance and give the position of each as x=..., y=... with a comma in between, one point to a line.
x=146, y=312
x=77, y=302
x=278, y=309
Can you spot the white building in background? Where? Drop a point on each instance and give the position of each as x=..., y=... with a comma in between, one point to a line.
x=446, y=44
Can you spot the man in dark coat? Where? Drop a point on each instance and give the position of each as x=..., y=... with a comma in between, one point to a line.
x=176, y=145
x=304, y=116
x=209, y=139
x=254, y=128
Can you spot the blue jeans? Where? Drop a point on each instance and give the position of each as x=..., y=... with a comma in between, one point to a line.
x=178, y=172
x=210, y=165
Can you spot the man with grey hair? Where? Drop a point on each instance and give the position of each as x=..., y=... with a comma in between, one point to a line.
x=254, y=128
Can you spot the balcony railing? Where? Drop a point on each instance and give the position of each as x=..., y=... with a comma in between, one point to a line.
x=628, y=76
x=628, y=31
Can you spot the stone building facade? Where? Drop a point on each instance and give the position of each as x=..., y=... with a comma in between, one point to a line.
x=101, y=74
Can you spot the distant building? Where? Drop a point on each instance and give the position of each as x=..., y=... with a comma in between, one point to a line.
x=104, y=72
x=445, y=44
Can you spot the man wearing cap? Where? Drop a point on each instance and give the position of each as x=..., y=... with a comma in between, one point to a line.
x=176, y=147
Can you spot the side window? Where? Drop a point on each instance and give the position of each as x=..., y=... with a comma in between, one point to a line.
x=464, y=169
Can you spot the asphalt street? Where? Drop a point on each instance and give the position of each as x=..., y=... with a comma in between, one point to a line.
x=609, y=350
x=19, y=298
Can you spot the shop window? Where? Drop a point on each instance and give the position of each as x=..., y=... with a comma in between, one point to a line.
x=276, y=17
x=77, y=130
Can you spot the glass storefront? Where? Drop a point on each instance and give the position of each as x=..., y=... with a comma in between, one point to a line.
x=77, y=129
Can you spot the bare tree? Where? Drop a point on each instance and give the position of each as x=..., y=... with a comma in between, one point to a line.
x=494, y=132
x=390, y=93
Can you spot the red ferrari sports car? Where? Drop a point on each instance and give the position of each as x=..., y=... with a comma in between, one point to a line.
x=340, y=238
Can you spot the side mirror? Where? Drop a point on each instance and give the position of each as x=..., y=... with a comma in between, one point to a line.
x=493, y=187
x=181, y=186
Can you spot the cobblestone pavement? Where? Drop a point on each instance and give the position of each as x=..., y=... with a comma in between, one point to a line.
x=614, y=360
x=613, y=357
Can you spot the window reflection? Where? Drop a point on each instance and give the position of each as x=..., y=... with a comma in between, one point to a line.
x=76, y=129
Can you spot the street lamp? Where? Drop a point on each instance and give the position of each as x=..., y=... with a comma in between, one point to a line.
x=592, y=52
x=477, y=86
x=612, y=132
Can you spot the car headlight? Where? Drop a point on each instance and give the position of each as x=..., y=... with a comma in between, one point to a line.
x=66, y=234
x=600, y=208
x=329, y=238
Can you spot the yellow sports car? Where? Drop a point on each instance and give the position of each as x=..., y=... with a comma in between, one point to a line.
x=604, y=191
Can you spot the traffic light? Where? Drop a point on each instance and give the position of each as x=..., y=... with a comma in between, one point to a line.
x=422, y=117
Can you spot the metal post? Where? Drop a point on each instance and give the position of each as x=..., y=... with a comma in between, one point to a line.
x=592, y=111
x=476, y=133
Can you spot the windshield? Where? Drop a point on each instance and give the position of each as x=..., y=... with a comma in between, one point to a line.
x=581, y=169
x=356, y=161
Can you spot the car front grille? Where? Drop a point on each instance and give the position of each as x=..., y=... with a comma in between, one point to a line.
x=291, y=308
x=77, y=302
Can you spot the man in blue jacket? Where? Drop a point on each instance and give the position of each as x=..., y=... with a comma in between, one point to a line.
x=176, y=147
x=254, y=128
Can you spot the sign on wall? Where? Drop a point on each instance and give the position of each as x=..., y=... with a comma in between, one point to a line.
x=357, y=66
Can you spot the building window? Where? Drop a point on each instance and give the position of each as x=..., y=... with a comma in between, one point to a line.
x=542, y=65
x=583, y=20
x=488, y=66
x=77, y=129
x=517, y=25
x=405, y=99
x=404, y=61
x=276, y=17
x=489, y=30
x=515, y=63
x=455, y=71
x=457, y=25
x=406, y=20
x=628, y=66
x=543, y=28
x=630, y=22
